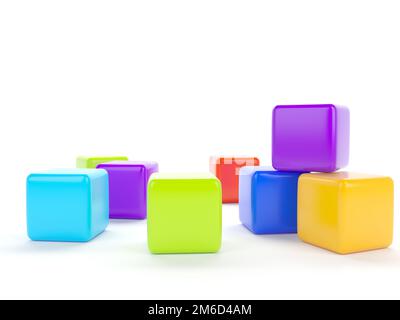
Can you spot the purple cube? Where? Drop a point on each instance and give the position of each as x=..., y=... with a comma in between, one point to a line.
x=128, y=187
x=310, y=137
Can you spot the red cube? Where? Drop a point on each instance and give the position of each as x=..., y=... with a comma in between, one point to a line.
x=226, y=169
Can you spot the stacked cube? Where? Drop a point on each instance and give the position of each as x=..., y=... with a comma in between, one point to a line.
x=268, y=200
x=342, y=212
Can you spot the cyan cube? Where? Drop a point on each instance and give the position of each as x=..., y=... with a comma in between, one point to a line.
x=268, y=200
x=67, y=205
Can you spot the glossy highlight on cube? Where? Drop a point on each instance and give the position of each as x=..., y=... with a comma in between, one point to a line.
x=227, y=169
x=67, y=205
x=268, y=200
x=92, y=162
x=310, y=138
x=128, y=187
x=184, y=213
x=346, y=212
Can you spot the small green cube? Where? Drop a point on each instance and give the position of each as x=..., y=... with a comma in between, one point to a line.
x=93, y=162
x=184, y=213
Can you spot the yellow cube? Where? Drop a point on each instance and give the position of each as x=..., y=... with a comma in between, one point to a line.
x=346, y=212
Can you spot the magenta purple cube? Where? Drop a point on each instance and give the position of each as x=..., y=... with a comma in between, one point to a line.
x=128, y=188
x=310, y=138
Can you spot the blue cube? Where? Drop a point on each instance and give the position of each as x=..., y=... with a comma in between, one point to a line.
x=67, y=205
x=268, y=200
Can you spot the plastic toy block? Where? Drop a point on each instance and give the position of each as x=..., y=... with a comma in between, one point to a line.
x=93, y=162
x=184, y=213
x=128, y=188
x=226, y=169
x=268, y=200
x=345, y=212
x=67, y=205
x=310, y=138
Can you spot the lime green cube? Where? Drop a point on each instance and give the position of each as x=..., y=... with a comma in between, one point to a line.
x=184, y=213
x=93, y=162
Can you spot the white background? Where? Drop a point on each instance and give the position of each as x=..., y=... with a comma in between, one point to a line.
x=176, y=82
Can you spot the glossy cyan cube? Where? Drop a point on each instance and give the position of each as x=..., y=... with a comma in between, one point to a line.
x=310, y=138
x=184, y=213
x=345, y=212
x=227, y=169
x=268, y=200
x=93, y=162
x=128, y=187
x=67, y=205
